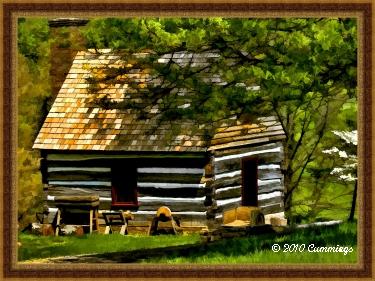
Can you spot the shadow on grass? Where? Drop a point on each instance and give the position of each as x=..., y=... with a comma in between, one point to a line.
x=238, y=248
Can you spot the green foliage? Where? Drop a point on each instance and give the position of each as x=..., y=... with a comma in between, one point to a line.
x=33, y=97
x=33, y=78
x=306, y=70
x=33, y=38
x=30, y=189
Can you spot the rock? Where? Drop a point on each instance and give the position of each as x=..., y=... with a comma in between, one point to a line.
x=71, y=230
x=278, y=221
x=41, y=229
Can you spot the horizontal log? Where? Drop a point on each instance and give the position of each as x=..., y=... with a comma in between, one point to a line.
x=170, y=185
x=240, y=150
x=79, y=169
x=84, y=176
x=271, y=201
x=270, y=186
x=172, y=200
x=224, y=182
x=105, y=205
x=264, y=171
x=229, y=174
x=172, y=192
x=269, y=174
x=222, y=208
x=235, y=163
x=81, y=183
x=68, y=191
x=174, y=206
x=269, y=195
x=270, y=209
x=170, y=170
x=229, y=201
x=228, y=192
x=168, y=178
x=235, y=191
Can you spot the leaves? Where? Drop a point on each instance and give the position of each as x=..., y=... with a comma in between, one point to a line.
x=305, y=68
x=33, y=95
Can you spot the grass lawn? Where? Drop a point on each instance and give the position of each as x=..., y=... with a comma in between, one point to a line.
x=39, y=247
x=252, y=249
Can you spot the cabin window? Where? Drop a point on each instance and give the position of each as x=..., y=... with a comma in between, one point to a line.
x=249, y=182
x=124, y=186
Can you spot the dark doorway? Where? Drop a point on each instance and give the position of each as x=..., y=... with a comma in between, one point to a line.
x=124, y=186
x=249, y=182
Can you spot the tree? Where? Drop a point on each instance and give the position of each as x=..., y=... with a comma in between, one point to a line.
x=346, y=163
x=306, y=70
x=33, y=93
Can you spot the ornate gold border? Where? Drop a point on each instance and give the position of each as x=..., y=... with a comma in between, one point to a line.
x=10, y=11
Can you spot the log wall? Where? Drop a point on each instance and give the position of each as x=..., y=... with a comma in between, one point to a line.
x=196, y=189
x=227, y=183
x=180, y=184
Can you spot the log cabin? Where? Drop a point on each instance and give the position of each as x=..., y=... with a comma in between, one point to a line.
x=140, y=164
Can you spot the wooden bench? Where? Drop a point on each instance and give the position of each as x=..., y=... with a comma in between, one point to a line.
x=71, y=207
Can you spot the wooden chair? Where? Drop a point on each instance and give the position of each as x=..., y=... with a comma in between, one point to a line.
x=117, y=218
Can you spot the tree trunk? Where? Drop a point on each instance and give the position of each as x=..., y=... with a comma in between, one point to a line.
x=354, y=201
x=287, y=194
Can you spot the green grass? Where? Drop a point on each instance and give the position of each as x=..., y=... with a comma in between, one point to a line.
x=257, y=249
x=252, y=249
x=39, y=247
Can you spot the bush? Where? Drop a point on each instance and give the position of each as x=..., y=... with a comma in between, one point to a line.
x=30, y=189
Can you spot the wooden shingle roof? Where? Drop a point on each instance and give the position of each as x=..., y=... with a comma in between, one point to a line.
x=77, y=122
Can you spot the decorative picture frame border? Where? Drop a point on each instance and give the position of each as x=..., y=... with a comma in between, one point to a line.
x=363, y=12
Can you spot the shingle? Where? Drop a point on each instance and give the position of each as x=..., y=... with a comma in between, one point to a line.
x=76, y=122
